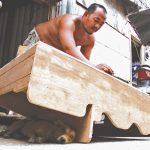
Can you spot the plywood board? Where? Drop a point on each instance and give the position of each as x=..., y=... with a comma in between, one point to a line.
x=15, y=74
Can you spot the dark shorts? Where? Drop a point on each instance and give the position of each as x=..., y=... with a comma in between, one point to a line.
x=32, y=38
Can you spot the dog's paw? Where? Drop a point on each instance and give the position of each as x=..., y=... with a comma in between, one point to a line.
x=3, y=129
x=32, y=140
x=6, y=135
x=40, y=139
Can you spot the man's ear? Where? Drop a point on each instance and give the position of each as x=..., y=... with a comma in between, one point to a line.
x=58, y=123
x=85, y=13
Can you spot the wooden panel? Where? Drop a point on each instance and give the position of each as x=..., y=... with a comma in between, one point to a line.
x=13, y=75
x=115, y=41
x=17, y=86
x=19, y=71
x=103, y=54
x=61, y=82
x=21, y=84
x=16, y=61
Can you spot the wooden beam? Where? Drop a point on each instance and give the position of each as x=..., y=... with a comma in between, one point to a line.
x=15, y=73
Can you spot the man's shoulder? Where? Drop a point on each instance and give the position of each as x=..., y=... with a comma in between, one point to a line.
x=69, y=21
x=70, y=17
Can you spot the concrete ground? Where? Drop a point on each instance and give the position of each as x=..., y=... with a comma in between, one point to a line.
x=101, y=143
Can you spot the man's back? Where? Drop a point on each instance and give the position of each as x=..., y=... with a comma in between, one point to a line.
x=48, y=32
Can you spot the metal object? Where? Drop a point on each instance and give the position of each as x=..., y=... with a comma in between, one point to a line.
x=1, y=4
x=142, y=74
x=140, y=22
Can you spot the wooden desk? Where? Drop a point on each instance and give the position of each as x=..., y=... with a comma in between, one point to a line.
x=61, y=86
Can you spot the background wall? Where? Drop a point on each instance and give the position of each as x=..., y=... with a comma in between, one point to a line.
x=17, y=18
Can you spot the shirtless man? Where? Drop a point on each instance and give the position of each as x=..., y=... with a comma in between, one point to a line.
x=69, y=31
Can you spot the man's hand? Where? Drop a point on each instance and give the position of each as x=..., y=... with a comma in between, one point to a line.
x=105, y=68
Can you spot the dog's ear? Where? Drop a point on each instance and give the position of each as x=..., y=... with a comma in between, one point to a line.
x=59, y=123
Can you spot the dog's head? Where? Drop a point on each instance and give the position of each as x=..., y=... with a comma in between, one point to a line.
x=67, y=137
x=64, y=134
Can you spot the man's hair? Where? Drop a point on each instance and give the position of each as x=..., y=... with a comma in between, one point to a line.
x=93, y=7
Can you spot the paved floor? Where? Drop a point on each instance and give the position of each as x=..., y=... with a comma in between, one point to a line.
x=101, y=143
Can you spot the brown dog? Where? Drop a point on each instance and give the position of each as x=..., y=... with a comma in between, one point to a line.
x=39, y=131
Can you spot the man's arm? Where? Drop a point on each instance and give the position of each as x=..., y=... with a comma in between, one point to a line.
x=67, y=40
x=86, y=50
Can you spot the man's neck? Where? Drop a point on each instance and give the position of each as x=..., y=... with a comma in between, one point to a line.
x=81, y=29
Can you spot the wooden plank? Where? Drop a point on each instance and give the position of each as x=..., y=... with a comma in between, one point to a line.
x=13, y=75
x=63, y=83
x=17, y=86
x=21, y=50
x=17, y=72
x=85, y=130
x=16, y=61
x=22, y=84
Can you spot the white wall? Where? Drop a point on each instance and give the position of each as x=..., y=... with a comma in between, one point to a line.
x=112, y=48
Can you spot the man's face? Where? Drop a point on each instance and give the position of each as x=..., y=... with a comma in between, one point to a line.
x=92, y=22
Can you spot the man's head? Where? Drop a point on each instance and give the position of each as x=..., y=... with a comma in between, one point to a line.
x=94, y=17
